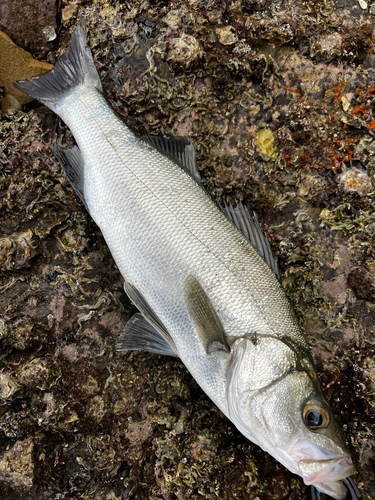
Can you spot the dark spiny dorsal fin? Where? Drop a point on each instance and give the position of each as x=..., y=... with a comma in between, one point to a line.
x=178, y=149
x=250, y=228
x=140, y=335
x=150, y=316
x=204, y=317
x=72, y=163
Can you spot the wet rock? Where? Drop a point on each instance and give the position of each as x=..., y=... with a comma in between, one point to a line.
x=24, y=21
x=184, y=50
x=226, y=35
x=69, y=10
x=91, y=385
x=8, y=387
x=35, y=373
x=10, y=104
x=330, y=42
x=312, y=187
x=335, y=289
x=17, y=466
x=369, y=366
x=96, y=409
x=17, y=334
x=17, y=250
x=355, y=180
x=173, y=18
x=362, y=281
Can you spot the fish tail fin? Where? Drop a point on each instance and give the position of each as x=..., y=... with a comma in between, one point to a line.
x=75, y=67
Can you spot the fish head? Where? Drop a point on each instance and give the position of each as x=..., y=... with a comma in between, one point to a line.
x=275, y=400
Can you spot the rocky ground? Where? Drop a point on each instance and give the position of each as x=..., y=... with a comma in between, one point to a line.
x=278, y=98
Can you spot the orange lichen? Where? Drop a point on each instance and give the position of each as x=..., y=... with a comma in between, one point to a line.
x=350, y=154
x=292, y=90
x=360, y=109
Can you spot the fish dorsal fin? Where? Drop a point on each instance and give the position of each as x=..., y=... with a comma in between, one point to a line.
x=72, y=163
x=204, y=317
x=140, y=335
x=178, y=149
x=250, y=228
x=150, y=316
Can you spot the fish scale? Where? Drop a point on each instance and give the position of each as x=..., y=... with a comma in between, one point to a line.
x=204, y=292
x=166, y=199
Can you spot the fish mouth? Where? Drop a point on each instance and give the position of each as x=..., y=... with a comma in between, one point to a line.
x=326, y=475
x=322, y=468
x=322, y=471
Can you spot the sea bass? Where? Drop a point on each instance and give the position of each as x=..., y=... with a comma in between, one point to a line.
x=202, y=276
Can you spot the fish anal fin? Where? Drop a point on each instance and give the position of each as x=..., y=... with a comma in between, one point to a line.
x=140, y=335
x=250, y=228
x=72, y=163
x=204, y=317
x=178, y=149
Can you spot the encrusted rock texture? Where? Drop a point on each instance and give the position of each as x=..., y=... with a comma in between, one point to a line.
x=278, y=98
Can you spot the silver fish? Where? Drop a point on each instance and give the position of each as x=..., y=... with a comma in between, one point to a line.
x=202, y=276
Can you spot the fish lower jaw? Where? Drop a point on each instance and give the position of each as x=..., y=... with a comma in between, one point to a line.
x=327, y=477
x=335, y=490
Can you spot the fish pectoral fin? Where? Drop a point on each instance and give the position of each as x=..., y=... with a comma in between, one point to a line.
x=250, y=228
x=140, y=335
x=147, y=312
x=72, y=163
x=204, y=317
x=178, y=149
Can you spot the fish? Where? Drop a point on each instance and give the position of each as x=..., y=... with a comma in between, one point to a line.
x=201, y=274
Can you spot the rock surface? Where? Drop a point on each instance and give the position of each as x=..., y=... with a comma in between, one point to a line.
x=24, y=21
x=275, y=117
x=17, y=466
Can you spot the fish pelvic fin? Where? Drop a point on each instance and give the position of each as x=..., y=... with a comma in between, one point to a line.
x=150, y=331
x=204, y=317
x=140, y=335
x=75, y=67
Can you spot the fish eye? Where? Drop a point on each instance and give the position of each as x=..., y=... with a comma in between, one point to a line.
x=316, y=416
